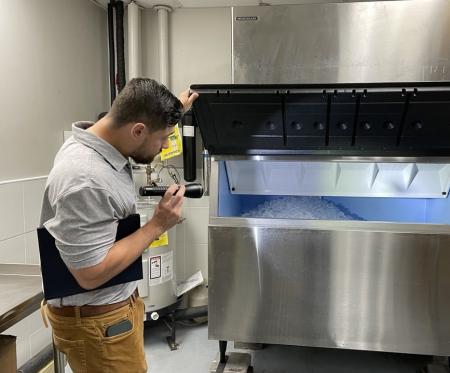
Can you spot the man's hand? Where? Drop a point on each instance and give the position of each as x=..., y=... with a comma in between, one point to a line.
x=168, y=211
x=187, y=98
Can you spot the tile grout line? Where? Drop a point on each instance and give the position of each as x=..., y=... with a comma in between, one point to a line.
x=23, y=216
x=5, y=182
x=12, y=237
x=17, y=235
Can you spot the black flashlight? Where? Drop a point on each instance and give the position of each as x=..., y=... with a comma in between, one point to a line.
x=193, y=190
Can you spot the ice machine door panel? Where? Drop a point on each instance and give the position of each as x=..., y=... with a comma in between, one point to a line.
x=342, y=118
x=306, y=120
x=206, y=121
x=245, y=121
x=368, y=120
x=427, y=122
x=379, y=119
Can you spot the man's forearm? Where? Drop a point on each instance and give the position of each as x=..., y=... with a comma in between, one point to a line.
x=119, y=257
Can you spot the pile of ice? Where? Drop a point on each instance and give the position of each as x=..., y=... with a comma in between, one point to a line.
x=300, y=208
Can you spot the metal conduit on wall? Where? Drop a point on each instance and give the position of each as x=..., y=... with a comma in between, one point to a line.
x=134, y=41
x=163, y=39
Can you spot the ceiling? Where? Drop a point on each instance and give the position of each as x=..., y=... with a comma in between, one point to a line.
x=215, y=3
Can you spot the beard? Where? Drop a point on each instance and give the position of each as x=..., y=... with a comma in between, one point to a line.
x=140, y=157
x=143, y=159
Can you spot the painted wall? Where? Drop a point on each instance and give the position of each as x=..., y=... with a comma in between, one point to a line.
x=54, y=72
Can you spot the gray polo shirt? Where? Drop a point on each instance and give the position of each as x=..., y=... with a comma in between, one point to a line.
x=89, y=189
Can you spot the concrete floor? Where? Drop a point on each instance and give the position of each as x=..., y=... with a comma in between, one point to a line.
x=196, y=353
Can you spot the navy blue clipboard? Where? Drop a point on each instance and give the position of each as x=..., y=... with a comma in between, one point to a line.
x=58, y=281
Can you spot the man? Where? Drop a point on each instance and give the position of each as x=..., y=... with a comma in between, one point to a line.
x=88, y=191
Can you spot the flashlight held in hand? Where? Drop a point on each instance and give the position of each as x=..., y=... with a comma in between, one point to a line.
x=193, y=190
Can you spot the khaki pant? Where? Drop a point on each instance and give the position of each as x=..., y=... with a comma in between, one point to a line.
x=87, y=349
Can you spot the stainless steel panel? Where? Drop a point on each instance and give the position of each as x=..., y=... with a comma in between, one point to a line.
x=331, y=225
x=386, y=41
x=361, y=288
x=214, y=189
x=21, y=293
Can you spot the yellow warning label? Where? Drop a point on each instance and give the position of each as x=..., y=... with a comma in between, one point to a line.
x=163, y=240
x=175, y=145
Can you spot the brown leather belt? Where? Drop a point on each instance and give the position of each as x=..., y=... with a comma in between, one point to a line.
x=90, y=310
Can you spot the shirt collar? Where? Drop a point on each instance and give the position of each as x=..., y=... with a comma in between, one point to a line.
x=104, y=148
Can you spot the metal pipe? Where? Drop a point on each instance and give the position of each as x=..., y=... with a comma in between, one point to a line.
x=189, y=154
x=58, y=360
x=134, y=41
x=120, y=46
x=163, y=35
x=112, y=56
x=191, y=313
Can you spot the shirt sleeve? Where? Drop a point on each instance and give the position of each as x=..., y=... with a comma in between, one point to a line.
x=84, y=226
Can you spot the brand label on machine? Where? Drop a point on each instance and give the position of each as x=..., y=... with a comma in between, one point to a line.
x=161, y=268
x=246, y=18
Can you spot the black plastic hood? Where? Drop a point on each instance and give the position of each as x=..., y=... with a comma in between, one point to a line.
x=380, y=119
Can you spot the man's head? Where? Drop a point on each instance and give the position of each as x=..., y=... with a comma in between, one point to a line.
x=145, y=111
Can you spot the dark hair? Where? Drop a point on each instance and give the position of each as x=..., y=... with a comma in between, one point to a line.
x=146, y=101
x=101, y=115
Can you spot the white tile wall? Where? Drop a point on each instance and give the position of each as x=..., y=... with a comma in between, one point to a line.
x=39, y=340
x=33, y=191
x=197, y=259
x=32, y=248
x=41, y=337
x=196, y=234
x=19, y=217
x=22, y=351
x=11, y=202
x=12, y=250
x=192, y=239
x=20, y=330
x=197, y=225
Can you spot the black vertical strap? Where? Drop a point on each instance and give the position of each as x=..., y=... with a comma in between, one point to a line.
x=327, y=131
x=355, y=121
x=112, y=57
x=189, y=149
x=405, y=110
x=120, y=46
x=283, y=110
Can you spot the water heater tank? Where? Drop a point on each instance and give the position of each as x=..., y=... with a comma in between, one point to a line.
x=158, y=286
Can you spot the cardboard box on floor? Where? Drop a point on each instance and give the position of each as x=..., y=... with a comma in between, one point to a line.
x=8, y=358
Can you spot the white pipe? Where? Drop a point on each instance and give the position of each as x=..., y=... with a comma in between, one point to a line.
x=134, y=41
x=163, y=37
